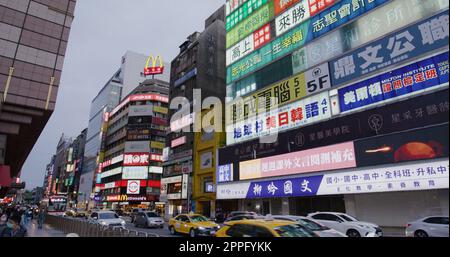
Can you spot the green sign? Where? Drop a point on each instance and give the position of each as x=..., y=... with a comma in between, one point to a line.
x=243, y=12
x=277, y=48
x=256, y=20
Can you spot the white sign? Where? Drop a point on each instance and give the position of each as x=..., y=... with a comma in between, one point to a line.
x=140, y=110
x=206, y=160
x=135, y=173
x=292, y=17
x=184, y=188
x=134, y=187
x=110, y=185
x=303, y=112
x=233, y=191
x=241, y=49
x=165, y=155
x=182, y=123
x=174, y=196
x=408, y=177
x=156, y=170
x=317, y=79
x=171, y=180
x=110, y=173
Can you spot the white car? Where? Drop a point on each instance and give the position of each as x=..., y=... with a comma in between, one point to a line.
x=107, y=218
x=316, y=227
x=347, y=224
x=435, y=226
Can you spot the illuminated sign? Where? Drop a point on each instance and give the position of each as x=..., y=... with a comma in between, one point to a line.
x=156, y=157
x=133, y=187
x=290, y=90
x=136, y=159
x=300, y=113
x=155, y=170
x=183, y=122
x=401, y=82
x=178, y=142
x=157, y=145
x=135, y=173
x=257, y=19
x=153, y=69
x=160, y=109
x=110, y=173
x=319, y=159
x=149, y=97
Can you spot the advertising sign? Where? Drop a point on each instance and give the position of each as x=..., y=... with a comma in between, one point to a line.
x=136, y=159
x=421, y=111
x=155, y=170
x=133, y=187
x=178, y=142
x=293, y=17
x=382, y=21
x=318, y=159
x=419, y=144
x=157, y=145
x=160, y=109
x=243, y=12
x=184, y=188
x=206, y=160
x=140, y=110
x=408, y=177
x=406, y=44
x=313, y=109
x=156, y=157
x=281, y=6
x=137, y=147
x=151, y=67
x=110, y=173
x=225, y=173
x=246, y=46
x=232, y=5
x=149, y=97
x=135, y=173
x=182, y=123
x=404, y=81
x=186, y=77
x=256, y=20
x=292, y=89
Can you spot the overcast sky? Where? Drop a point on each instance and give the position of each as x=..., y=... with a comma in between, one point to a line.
x=103, y=30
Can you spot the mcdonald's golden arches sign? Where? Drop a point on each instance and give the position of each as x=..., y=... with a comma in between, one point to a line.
x=151, y=67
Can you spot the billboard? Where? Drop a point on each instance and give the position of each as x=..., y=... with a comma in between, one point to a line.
x=140, y=110
x=429, y=175
x=135, y=173
x=257, y=19
x=421, y=111
x=179, y=141
x=137, y=147
x=400, y=46
x=287, y=91
x=310, y=110
x=410, y=79
x=136, y=159
x=318, y=159
x=419, y=144
x=151, y=67
x=382, y=21
x=292, y=17
x=242, y=12
x=133, y=187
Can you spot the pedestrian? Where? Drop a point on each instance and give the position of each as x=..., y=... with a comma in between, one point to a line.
x=13, y=227
x=41, y=219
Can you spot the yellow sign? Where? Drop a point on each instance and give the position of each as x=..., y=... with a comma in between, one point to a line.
x=287, y=91
x=153, y=69
x=160, y=109
x=157, y=145
x=250, y=169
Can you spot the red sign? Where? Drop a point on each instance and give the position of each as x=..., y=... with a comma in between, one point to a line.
x=261, y=36
x=316, y=6
x=154, y=183
x=283, y=5
x=149, y=97
x=178, y=142
x=136, y=159
x=151, y=67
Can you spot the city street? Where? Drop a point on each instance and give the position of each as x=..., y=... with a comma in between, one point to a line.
x=162, y=232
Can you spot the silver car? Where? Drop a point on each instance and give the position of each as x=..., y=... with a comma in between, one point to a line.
x=107, y=219
x=435, y=226
x=148, y=219
x=316, y=227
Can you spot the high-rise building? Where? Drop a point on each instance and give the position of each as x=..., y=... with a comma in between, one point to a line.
x=337, y=106
x=200, y=65
x=33, y=42
x=122, y=83
x=132, y=147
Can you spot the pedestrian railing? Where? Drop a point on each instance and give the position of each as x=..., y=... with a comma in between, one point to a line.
x=84, y=228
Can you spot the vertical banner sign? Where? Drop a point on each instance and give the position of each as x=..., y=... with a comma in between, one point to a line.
x=412, y=78
x=406, y=44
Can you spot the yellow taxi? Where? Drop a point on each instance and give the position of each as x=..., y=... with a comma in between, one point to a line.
x=264, y=228
x=193, y=225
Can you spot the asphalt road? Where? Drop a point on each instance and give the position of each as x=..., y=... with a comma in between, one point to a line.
x=162, y=232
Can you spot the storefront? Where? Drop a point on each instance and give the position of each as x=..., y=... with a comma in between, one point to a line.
x=174, y=193
x=389, y=195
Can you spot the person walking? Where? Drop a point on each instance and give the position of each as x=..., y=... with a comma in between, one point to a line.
x=13, y=227
x=41, y=219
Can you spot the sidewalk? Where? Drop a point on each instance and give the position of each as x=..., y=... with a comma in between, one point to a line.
x=46, y=231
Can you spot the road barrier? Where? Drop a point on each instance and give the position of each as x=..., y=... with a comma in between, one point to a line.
x=85, y=228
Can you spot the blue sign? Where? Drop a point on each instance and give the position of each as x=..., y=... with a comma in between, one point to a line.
x=418, y=39
x=225, y=173
x=186, y=77
x=428, y=73
x=340, y=14
x=306, y=186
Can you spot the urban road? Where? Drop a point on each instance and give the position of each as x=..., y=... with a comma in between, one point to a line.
x=162, y=232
